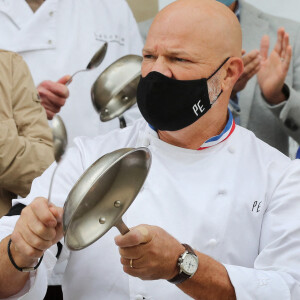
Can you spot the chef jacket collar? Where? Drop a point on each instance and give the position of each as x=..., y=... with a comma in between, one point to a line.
x=224, y=135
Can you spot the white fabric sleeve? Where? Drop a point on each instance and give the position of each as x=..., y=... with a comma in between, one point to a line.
x=276, y=271
x=68, y=172
x=36, y=287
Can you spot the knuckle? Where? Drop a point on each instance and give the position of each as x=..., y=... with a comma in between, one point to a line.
x=43, y=245
x=25, y=211
x=55, y=109
x=122, y=260
x=66, y=92
x=135, y=238
x=36, y=203
x=50, y=115
x=120, y=250
x=51, y=233
x=39, y=230
x=38, y=244
x=47, y=83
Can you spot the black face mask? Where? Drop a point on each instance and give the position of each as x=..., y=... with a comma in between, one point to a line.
x=170, y=104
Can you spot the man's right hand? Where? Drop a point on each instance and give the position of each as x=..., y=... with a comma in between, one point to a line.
x=38, y=228
x=252, y=62
x=53, y=95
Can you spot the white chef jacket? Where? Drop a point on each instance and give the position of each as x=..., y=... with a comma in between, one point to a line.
x=238, y=202
x=60, y=38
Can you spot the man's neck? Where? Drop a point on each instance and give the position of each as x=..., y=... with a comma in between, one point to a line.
x=193, y=136
x=34, y=4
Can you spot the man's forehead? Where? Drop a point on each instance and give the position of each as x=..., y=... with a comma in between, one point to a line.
x=173, y=44
x=198, y=26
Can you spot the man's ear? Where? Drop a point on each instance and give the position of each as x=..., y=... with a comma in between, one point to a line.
x=234, y=69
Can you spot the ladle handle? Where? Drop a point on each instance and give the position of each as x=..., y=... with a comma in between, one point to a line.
x=71, y=78
x=51, y=183
x=122, y=122
x=122, y=227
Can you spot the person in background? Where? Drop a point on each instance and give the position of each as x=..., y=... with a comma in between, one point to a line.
x=59, y=37
x=268, y=103
x=25, y=138
x=220, y=207
x=56, y=38
x=298, y=153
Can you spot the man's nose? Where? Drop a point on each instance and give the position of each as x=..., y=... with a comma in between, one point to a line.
x=161, y=66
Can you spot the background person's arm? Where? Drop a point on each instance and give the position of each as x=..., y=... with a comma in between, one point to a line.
x=288, y=109
x=25, y=137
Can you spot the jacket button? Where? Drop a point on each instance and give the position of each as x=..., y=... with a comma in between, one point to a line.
x=222, y=192
x=212, y=242
x=231, y=149
x=290, y=123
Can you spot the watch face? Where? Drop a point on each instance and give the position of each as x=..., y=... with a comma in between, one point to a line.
x=190, y=264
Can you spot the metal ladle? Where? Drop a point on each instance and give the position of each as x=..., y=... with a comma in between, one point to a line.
x=94, y=62
x=60, y=141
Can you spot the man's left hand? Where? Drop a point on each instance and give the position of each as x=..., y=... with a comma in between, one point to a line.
x=154, y=253
x=274, y=67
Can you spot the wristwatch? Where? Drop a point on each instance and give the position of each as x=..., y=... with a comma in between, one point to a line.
x=188, y=265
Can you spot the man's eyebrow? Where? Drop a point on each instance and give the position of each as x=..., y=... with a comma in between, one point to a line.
x=176, y=52
x=149, y=50
x=168, y=52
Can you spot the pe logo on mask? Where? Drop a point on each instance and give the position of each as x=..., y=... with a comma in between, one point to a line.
x=198, y=108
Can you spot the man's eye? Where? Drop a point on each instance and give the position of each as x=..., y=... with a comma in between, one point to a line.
x=180, y=59
x=148, y=56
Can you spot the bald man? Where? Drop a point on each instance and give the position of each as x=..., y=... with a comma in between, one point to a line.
x=220, y=208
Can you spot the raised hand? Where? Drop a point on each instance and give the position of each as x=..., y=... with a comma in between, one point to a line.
x=53, y=95
x=274, y=67
x=251, y=62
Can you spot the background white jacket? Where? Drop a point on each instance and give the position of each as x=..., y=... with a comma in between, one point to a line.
x=60, y=38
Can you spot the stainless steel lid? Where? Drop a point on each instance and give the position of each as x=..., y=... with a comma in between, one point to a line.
x=114, y=91
x=103, y=194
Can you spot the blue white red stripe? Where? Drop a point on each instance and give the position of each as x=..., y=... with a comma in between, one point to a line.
x=225, y=134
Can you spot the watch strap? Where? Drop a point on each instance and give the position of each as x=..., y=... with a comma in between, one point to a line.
x=181, y=277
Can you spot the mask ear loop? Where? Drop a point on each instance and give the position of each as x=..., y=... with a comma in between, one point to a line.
x=222, y=64
x=214, y=73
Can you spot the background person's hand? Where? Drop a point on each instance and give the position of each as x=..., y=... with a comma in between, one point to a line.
x=38, y=228
x=53, y=95
x=274, y=67
x=251, y=62
x=153, y=251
